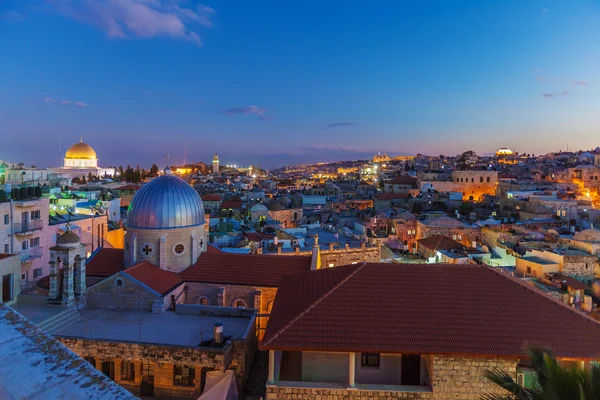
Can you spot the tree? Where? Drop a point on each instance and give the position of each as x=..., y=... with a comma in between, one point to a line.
x=550, y=380
x=465, y=208
x=154, y=170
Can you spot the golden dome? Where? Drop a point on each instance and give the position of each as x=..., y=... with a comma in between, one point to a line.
x=81, y=151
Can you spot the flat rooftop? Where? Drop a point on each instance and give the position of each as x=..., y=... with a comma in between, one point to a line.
x=168, y=328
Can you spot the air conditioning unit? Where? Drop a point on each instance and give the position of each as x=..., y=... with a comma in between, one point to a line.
x=521, y=379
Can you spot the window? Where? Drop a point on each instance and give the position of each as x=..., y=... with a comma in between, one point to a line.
x=529, y=270
x=34, y=242
x=472, y=180
x=240, y=303
x=35, y=214
x=24, y=245
x=37, y=272
x=179, y=249
x=6, y=219
x=6, y=247
x=108, y=368
x=487, y=179
x=127, y=371
x=481, y=179
x=184, y=375
x=369, y=360
x=203, y=300
x=91, y=360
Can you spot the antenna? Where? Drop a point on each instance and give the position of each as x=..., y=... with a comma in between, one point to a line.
x=168, y=157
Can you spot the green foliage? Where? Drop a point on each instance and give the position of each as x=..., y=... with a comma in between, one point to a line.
x=551, y=381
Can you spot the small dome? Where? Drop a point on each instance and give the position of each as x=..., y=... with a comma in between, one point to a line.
x=276, y=207
x=258, y=207
x=68, y=239
x=166, y=202
x=81, y=151
x=588, y=235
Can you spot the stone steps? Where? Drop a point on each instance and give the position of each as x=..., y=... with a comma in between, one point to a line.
x=61, y=320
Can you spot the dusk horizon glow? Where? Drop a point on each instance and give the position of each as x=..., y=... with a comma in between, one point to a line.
x=271, y=84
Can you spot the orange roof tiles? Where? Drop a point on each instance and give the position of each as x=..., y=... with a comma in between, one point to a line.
x=155, y=278
x=244, y=269
x=403, y=180
x=430, y=309
x=105, y=262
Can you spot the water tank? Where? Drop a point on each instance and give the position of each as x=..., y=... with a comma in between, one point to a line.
x=3, y=196
x=24, y=192
x=16, y=194
x=218, y=333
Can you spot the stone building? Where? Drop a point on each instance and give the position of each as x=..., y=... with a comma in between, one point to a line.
x=10, y=272
x=451, y=228
x=330, y=334
x=80, y=160
x=474, y=185
x=400, y=184
x=570, y=262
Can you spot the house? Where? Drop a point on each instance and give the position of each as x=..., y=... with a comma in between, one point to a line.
x=400, y=184
x=412, y=331
x=434, y=247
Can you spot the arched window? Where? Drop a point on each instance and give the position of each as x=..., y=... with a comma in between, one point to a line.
x=203, y=300
x=269, y=307
x=239, y=303
x=488, y=179
x=481, y=179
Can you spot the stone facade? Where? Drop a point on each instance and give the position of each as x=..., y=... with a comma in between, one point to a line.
x=126, y=295
x=237, y=356
x=160, y=247
x=465, y=236
x=457, y=378
x=288, y=217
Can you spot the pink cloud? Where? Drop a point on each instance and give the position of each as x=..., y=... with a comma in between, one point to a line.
x=78, y=104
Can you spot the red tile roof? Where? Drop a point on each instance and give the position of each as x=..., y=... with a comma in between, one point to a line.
x=261, y=270
x=211, y=248
x=440, y=242
x=105, y=262
x=129, y=187
x=403, y=180
x=211, y=197
x=258, y=237
x=233, y=204
x=155, y=278
x=393, y=196
x=430, y=309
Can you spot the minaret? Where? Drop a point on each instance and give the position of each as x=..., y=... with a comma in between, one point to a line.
x=216, y=164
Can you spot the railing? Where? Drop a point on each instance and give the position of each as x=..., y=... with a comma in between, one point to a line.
x=25, y=227
x=31, y=254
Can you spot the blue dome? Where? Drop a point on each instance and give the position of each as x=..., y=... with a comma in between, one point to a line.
x=165, y=202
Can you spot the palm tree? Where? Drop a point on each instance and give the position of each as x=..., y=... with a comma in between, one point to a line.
x=550, y=381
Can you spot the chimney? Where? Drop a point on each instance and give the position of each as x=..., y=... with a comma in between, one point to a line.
x=316, y=240
x=275, y=240
x=218, y=333
x=347, y=246
x=297, y=249
x=278, y=249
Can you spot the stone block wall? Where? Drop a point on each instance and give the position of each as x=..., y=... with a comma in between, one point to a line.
x=346, y=256
x=457, y=378
x=581, y=266
x=129, y=296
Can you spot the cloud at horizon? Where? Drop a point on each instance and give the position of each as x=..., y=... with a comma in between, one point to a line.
x=340, y=124
x=260, y=112
x=78, y=104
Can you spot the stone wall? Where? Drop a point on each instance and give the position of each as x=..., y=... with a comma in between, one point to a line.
x=457, y=378
x=349, y=255
x=129, y=296
x=581, y=266
x=237, y=357
x=466, y=235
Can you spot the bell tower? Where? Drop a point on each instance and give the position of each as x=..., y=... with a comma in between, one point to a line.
x=67, y=269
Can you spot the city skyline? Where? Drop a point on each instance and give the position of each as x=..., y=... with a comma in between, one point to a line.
x=271, y=85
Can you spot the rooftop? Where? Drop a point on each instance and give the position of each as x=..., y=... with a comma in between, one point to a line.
x=155, y=278
x=413, y=311
x=40, y=367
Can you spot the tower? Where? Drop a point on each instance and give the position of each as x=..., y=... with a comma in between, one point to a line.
x=216, y=164
x=67, y=269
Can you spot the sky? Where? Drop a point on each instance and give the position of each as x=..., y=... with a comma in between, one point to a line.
x=288, y=82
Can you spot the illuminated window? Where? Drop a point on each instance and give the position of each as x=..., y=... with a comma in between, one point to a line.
x=127, y=371
x=184, y=375
x=239, y=303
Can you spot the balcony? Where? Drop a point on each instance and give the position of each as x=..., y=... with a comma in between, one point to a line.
x=31, y=254
x=26, y=228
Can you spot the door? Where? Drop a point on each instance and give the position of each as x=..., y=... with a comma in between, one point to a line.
x=7, y=289
x=147, y=387
x=25, y=220
x=411, y=370
x=108, y=368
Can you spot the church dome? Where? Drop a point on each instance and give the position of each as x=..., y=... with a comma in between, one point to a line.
x=81, y=151
x=68, y=239
x=166, y=202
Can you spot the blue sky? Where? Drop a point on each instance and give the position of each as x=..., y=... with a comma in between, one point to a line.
x=276, y=82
